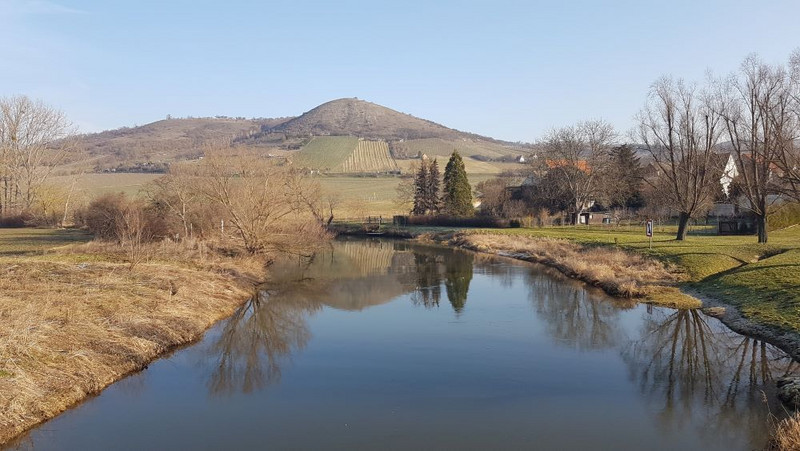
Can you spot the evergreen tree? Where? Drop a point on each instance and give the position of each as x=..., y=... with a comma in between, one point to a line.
x=420, y=189
x=433, y=188
x=625, y=178
x=457, y=196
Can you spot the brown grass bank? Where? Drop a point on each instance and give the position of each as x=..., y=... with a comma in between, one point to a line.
x=75, y=320
x=617, y=272
x=786, y=436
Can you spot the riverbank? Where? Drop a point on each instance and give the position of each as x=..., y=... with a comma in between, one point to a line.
x=752, y=287
x=75, y=317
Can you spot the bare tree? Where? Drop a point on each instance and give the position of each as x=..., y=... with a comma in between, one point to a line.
x=756, y=108
x=33, y=139
x=680, y=126
x=134, y=232
x=577, y=156
x=788, y=161
x=178, y=192
x=262, y=203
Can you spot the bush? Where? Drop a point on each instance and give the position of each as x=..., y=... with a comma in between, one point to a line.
x=15, y=221
x=459, y=221
x=100, y=217
x=111, y=216
x=783, y=216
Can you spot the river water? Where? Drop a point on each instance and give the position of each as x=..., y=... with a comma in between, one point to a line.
x=391, y=345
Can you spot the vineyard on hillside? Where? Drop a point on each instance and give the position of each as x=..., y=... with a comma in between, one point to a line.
x=369, y=157
x=327, y=153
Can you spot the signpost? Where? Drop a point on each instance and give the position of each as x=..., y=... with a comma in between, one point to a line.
x=649, y=231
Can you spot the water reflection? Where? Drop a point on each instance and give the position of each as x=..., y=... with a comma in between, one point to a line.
x=428, y=289
x=256, y=340
x=576, y=317
x=435, y=267
x=687, y=365
x=691, y=371
x=538, y=349
x=457, y=277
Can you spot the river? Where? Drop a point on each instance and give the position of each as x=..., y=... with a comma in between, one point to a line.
x=393, y=345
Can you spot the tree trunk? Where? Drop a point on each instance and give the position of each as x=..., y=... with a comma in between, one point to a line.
x=761, y=223
x=683, y=226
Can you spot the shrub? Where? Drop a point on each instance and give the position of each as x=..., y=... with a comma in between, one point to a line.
x=459, y=221
x=100, y=217
x=114, y=217
x=15, y=221
x=784, y=215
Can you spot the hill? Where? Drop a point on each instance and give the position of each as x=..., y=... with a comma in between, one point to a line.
x=341, y=136
x=162, y=142
x=354, y=117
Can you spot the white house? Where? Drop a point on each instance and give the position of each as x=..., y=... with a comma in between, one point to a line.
x=729, y=172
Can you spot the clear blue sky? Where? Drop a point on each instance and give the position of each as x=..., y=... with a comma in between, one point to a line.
x=507, y=69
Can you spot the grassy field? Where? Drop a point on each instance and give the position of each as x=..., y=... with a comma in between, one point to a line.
x=443, y=148
x=760, y=280
x=370, y=196
x=37, y=241
x=473, y=167
x=93, y=184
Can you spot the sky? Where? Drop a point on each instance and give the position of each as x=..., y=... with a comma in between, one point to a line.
x=507, y=69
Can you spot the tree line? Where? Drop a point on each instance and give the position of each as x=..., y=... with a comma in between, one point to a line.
x=744, y=127
x=34, y=139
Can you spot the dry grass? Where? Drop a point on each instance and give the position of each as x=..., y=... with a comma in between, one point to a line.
x=787, y=434
x=74, y=321
x=617, y=272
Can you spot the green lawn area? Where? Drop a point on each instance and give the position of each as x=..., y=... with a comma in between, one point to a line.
x=763, y=281
x=34, y=241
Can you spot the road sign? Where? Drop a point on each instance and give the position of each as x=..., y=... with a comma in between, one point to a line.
x=649, y=228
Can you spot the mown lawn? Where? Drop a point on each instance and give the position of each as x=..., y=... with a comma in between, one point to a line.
x=763, y=281
x=33, y=241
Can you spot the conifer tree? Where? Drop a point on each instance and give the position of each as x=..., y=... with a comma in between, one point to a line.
x=420, y=190
x=457, y=196
x=433, y=188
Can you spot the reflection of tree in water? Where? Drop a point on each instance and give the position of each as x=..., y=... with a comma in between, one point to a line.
x=574, y=315
x=434, y=266
x=428, y=290
x=501, y=269
x=688, y=365
x=457, y=277
x=256, y=340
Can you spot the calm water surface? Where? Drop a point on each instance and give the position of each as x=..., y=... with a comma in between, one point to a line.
x=381, y=344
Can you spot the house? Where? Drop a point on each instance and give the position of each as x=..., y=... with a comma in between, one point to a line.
x=730, y=171
x=595, y=217
x=582, y=165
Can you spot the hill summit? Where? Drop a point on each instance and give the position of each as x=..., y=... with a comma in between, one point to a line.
x=354, y=117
